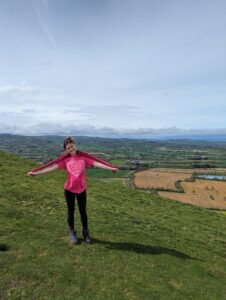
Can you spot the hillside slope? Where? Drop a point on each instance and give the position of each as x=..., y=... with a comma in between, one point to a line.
x=146, y=247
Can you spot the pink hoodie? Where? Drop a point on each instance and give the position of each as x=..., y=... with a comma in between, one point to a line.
x=75, y=166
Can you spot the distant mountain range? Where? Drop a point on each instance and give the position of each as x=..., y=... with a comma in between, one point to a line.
x=162, y=137
x=155, y=137
x=219, y=138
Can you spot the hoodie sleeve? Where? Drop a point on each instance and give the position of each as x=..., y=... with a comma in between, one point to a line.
x=61, y=164
x=89, y=162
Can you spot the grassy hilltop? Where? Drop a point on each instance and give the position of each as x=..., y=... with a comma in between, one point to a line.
x=146, y=247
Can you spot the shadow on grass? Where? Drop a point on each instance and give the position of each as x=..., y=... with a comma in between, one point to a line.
x=4, y=247
x=143, y=249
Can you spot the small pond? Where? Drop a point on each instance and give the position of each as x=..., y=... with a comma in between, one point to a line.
x=209, y=176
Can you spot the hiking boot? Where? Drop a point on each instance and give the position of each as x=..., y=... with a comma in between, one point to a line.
x=73, y=238
x=86, y=236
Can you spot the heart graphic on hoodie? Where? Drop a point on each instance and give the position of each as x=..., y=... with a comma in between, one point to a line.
x=76, y=167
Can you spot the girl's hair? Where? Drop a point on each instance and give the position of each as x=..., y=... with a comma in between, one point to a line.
x=68, y=140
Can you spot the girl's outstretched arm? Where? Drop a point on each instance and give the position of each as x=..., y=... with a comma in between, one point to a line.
x=43, y=171
x=102, y=166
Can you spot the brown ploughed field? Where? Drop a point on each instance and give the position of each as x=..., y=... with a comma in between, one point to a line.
x=204, y=193
x=160, y=178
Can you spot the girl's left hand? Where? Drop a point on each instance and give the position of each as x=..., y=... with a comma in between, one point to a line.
x=114, y=170
x=31, y=174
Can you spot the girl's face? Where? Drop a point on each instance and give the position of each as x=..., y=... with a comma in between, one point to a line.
x=71, y=148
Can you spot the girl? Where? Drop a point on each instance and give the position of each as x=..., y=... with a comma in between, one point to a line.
x=74, y=162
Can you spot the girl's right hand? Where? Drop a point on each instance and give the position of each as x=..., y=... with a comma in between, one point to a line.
x=113, y=170
x=31, y=174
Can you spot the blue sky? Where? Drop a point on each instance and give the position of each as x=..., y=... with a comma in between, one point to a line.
x=112, y=66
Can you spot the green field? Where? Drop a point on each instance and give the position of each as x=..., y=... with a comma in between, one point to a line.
x=123, y=152
x=146, y=247
x=100, y=173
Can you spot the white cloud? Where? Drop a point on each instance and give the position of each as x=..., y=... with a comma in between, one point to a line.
x=41, y=12
x=16, y=89
x=47, y=127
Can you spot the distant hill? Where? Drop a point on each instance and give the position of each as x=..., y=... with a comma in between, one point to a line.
x=208, y=138
x=146, y=247
x=154, y=137
x=149, y=153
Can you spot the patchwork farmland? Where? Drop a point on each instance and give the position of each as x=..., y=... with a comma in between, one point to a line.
x=167, y=167
x=180, y=185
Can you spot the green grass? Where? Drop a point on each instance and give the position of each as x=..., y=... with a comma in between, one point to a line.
x=100, y=173
x=118, y=162
x=146, y=247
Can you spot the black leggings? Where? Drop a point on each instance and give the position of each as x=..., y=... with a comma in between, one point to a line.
x=81, y=199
